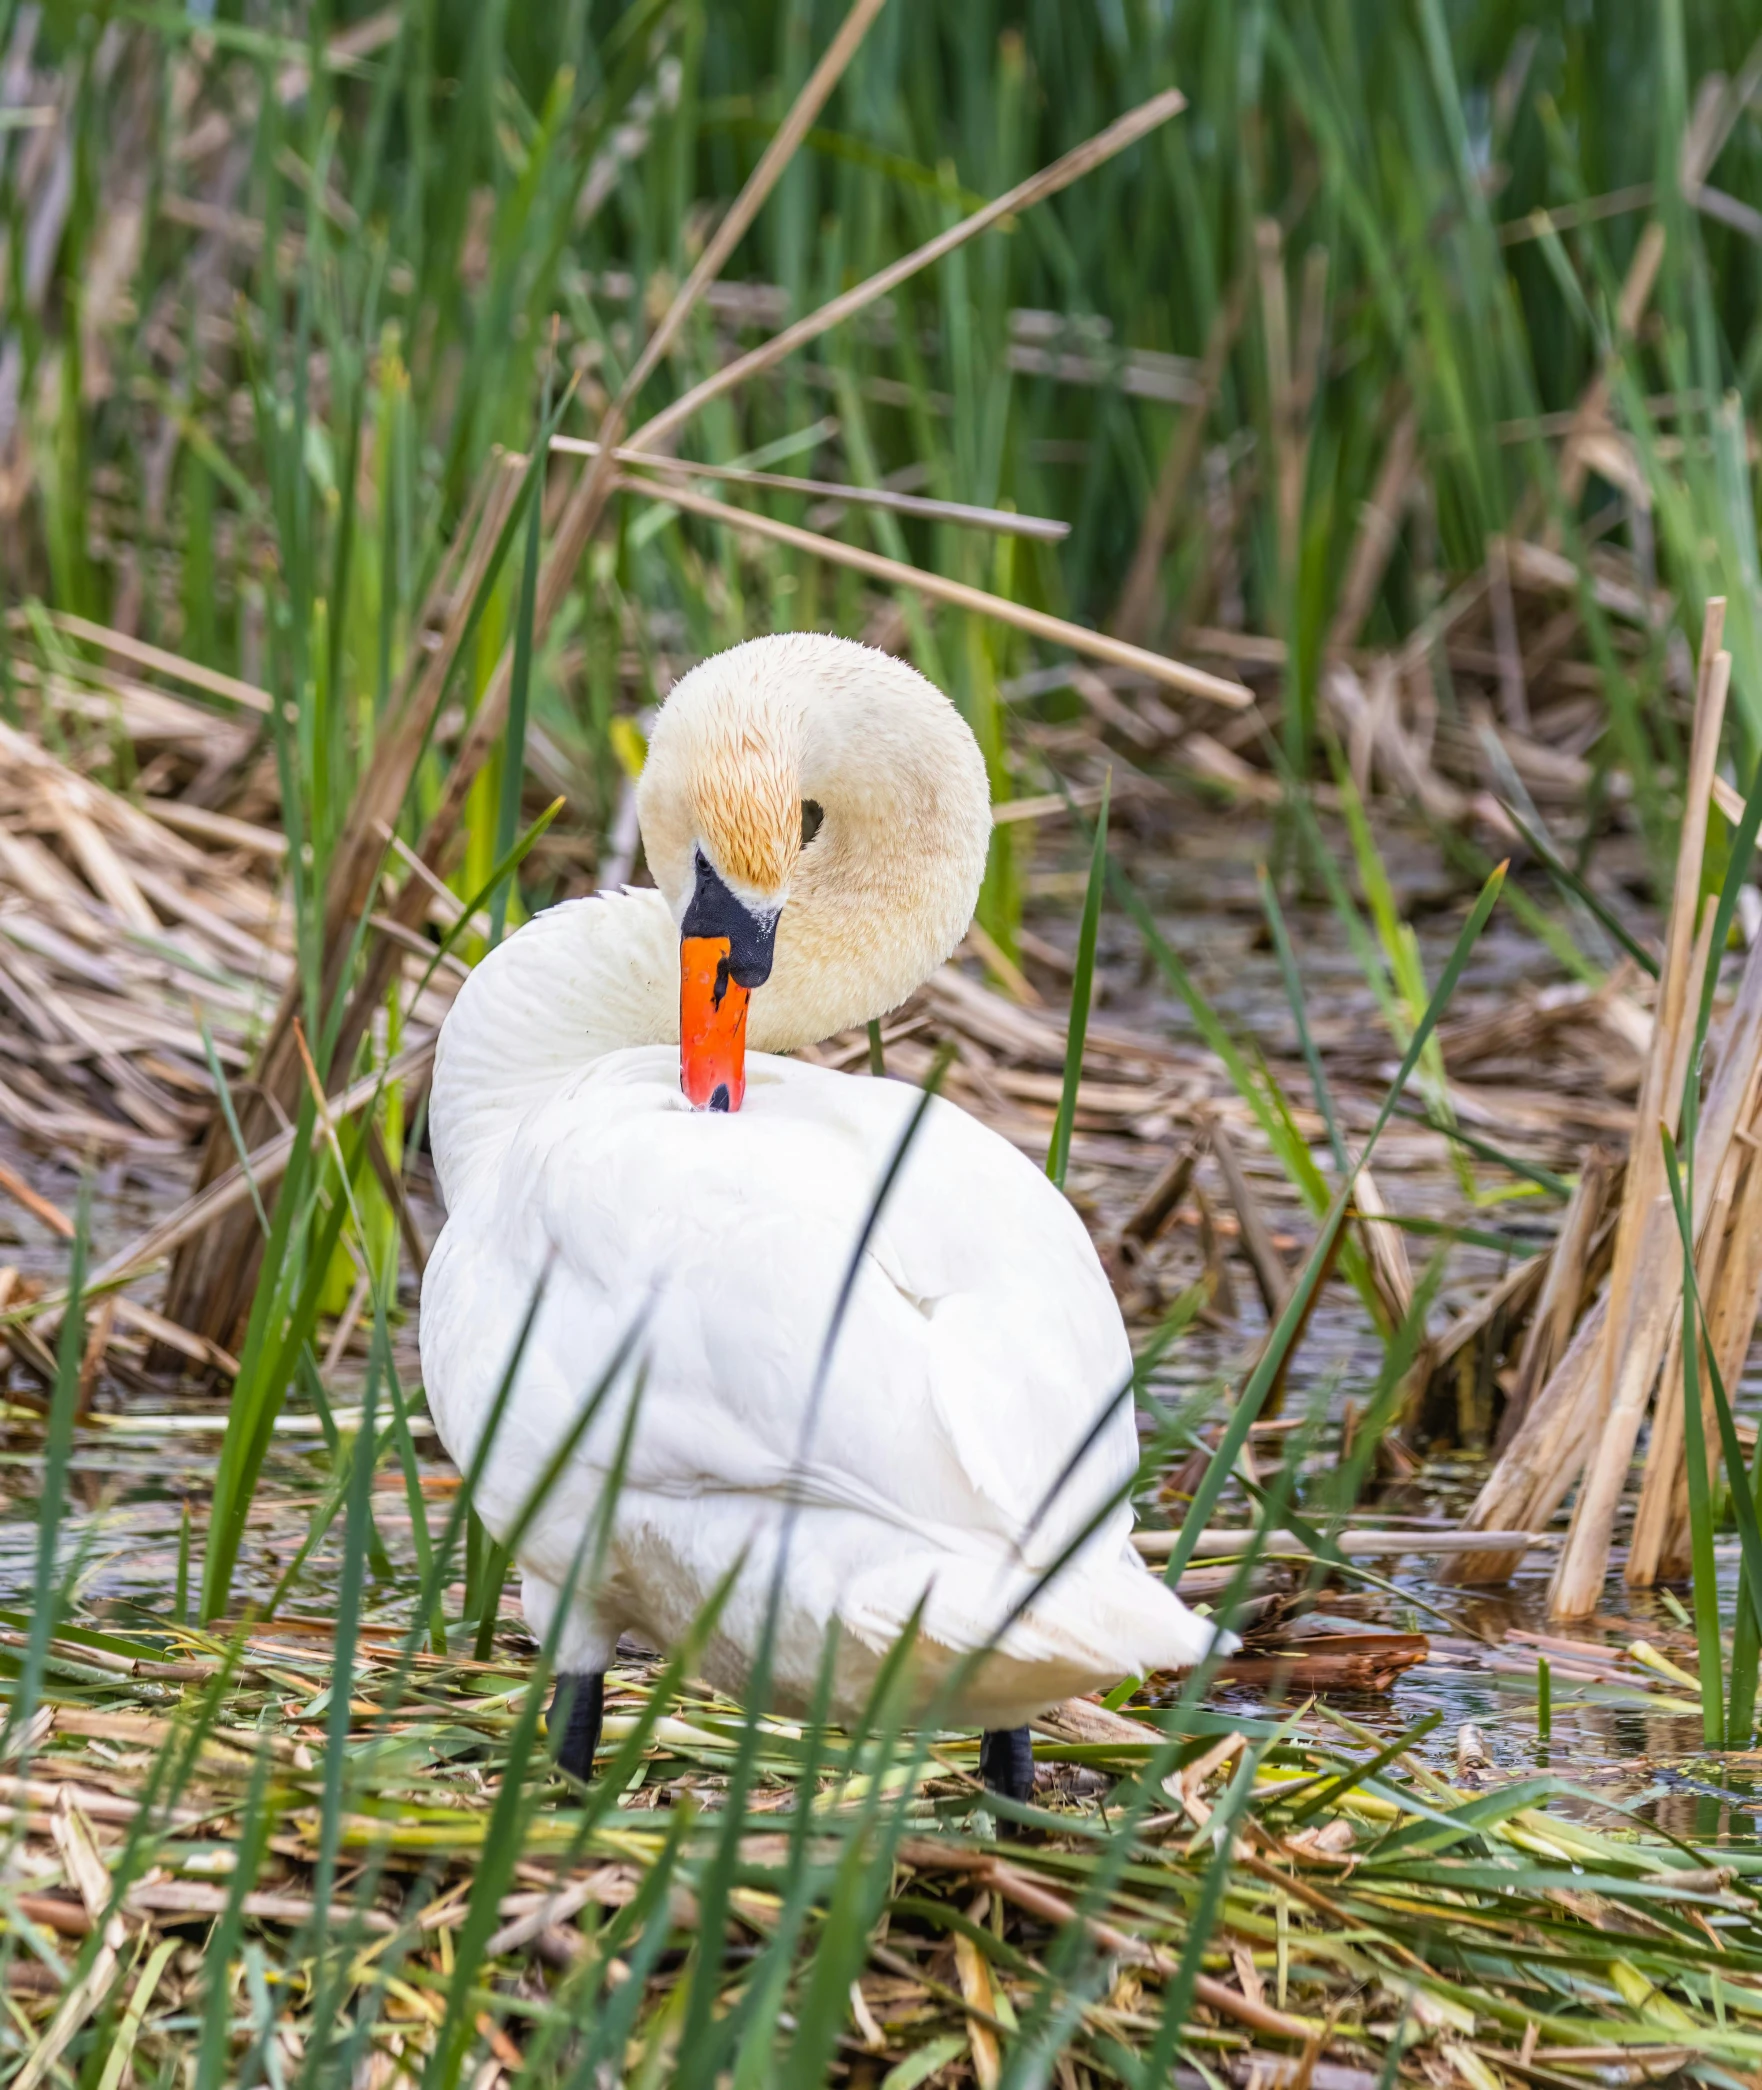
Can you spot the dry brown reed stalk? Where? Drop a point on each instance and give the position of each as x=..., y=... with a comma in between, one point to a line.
x=1644, y=1285
x=746, y=206
x=136, y=651
x=1003, y=521
x=1721, y=1155
x=1227, y=1542
x=1055, y=631
x=1563, y=1288
x=1557, y=1408
x=1732, y=1303
x=1385, y=1247
x=1379, y=526
x=1503, y=1305
x=1153, y=1211
x=1536, y=1471
x=1652, y=1549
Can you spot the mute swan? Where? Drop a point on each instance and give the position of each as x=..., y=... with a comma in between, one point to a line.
x=816, y=818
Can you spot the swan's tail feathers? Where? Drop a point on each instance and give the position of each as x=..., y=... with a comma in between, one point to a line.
x=1136, y=1615
x=1100, y=1621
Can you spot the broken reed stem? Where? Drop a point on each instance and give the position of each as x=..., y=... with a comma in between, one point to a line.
x=1550, y=1329
x=1644, y=1286
x=1732, y=1311
x=1004, y=522
x=1731, y=1292
x=1543, y=1459
x=1637, y=1330
x=1055, y=631
x=1385, y=1249
x=1272, y=1278
x=1720, y=1155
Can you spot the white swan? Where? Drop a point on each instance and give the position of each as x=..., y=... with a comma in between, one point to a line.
x=816, y=819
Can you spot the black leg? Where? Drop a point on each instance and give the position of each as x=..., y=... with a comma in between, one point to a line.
x=1006, y=1762
x=578, y=1705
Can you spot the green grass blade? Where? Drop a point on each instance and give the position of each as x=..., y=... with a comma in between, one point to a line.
x=514, y=732
x=1573, y=887
x=1706, y=1583
x=1177, y=1999
x=1058, y=1154
x=213, y=2051
x=342, y=1679
x=486, y=1601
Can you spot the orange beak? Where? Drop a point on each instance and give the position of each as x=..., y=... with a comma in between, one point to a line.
x=712, y=1025
x=725, y=951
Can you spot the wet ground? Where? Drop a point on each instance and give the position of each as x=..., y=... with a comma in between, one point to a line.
x=145, y=1462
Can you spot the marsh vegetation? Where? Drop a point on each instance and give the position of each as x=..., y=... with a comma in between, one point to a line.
x=1314, y=447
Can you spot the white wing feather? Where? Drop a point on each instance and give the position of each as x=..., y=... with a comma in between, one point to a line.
x=980, y=1346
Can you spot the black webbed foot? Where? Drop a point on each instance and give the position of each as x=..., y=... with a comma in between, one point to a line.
x=578, y=1707
x=1006, y=1762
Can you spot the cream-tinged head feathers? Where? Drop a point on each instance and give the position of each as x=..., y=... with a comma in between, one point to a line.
x=884, y=890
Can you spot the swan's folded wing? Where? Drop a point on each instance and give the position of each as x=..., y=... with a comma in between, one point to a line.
x=1032, y=1369
x=979, y=1349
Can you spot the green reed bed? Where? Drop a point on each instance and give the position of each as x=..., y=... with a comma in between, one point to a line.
x=1393, y=305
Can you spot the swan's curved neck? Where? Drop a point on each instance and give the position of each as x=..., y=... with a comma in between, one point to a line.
x=870, y=906
x=576, y=982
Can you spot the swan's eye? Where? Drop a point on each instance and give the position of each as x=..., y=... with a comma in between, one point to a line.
x=812, y=813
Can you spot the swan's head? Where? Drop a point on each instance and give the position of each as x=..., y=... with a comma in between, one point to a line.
x=817, y=817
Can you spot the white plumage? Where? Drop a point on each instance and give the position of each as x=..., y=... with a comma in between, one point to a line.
x=980, y=1348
